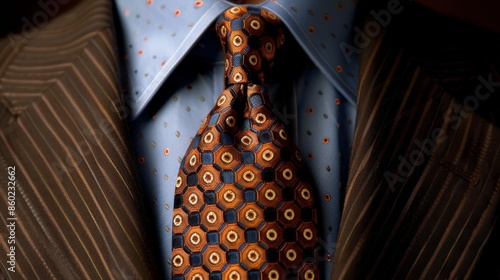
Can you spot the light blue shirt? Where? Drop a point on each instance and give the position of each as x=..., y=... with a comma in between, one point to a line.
x=174, y=67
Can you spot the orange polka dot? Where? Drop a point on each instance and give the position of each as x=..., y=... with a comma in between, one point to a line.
x=198, y=3
x=339, y=68
x=312, y=29
x=126, y=12
x=326, y=17
x=310, y=156
x=154, y=116
x=163, y=63
x=328, y=197
x=310, y=110
x=150, y=2
x=329, y=257
x=326, y=140
x=142, y=160
x=341, y=5
x=145, y=39
x=140, y=52
x=177, y=12
x=337, y=101
x=166, y=151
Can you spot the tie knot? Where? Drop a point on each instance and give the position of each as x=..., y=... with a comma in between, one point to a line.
x=250, y=37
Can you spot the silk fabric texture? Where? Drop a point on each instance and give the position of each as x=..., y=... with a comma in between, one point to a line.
x=244, y=208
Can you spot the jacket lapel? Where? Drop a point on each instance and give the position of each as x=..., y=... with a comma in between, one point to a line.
x=63, y=136
x=423, y=191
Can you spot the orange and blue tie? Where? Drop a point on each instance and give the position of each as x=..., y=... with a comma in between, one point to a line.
x=244, y=208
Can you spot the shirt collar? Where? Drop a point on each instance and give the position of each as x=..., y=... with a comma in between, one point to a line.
x=159, y=33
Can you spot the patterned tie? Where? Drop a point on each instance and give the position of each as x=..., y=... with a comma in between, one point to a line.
x=243, y=208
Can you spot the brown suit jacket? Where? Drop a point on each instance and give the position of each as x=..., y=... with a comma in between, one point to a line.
x=63, y=133
x=423, y=193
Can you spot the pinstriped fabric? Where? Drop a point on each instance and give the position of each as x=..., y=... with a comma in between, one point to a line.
x=423, y=193
x=77, y=201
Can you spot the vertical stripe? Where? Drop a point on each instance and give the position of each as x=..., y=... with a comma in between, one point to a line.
x=433, y=214
x=78, y=204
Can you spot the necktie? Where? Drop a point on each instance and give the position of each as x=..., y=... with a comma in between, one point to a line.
x=243, y=208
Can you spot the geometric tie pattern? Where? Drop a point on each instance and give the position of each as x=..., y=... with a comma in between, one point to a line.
x=244, y=208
